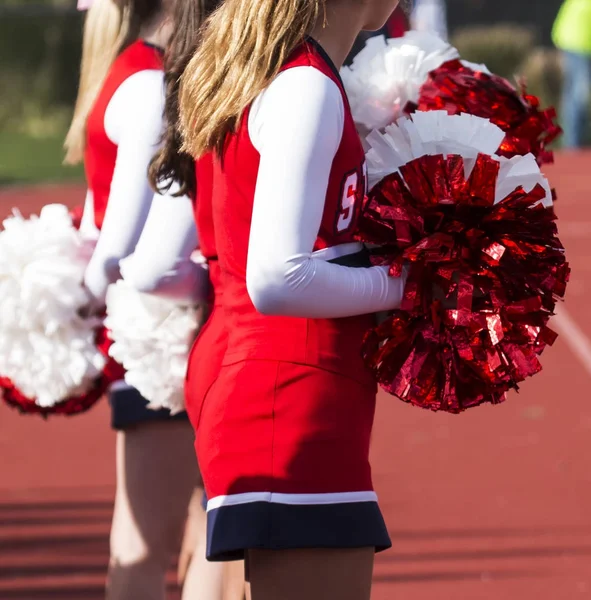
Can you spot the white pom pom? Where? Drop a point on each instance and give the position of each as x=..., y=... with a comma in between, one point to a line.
x=435, y=132
x=478, y=67
x=46, y=348
x=521, y=171
x=386, y=75
x=430, y=133
x=152, y=338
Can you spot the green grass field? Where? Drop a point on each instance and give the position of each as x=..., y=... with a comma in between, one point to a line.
x=25, y=159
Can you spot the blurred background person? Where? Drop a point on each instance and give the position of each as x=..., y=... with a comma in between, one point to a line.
x=572, y=35
x=430, y=16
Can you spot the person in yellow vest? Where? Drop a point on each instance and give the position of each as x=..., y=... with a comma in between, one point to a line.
x=572, y=35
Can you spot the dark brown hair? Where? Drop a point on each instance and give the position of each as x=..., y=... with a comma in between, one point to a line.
x=170, y=163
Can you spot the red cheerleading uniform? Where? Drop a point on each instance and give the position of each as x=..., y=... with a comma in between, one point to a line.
x=100, y=160
x=283, y=433
x=208, y=350
x=100, y=153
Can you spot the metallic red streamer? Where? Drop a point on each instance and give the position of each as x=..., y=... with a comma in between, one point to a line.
x=459, y=89
x=483, y=281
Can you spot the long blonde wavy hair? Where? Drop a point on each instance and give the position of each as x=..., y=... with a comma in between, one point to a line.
x=243, y=45
x=105, y=32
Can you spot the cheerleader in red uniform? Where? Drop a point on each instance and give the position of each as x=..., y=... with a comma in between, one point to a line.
x=159, y=253
x=116, y=130
x=283, y=432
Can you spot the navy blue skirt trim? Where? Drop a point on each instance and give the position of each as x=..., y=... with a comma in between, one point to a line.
x=263, y=525
x=129, y=408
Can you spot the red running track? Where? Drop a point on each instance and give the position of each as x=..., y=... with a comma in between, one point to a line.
x=494, y=504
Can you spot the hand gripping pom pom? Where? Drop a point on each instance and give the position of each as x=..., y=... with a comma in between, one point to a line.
x=53, y=360
x=151, y=339
x=420, y=72
x=486, y=267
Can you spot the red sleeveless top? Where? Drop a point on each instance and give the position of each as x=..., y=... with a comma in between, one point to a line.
x=101, y=153
x=203, y=208
x=333, y=344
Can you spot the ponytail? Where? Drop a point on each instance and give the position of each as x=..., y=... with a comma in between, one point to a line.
x=243, y=46
x=105, y=32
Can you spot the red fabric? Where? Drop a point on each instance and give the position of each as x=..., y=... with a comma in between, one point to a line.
x=76, y=213
x=205, y=358
x=101, y=153
x=397, y=24
x=203, y=208
x=297, y=419
x=329, y=343
x=270, y=426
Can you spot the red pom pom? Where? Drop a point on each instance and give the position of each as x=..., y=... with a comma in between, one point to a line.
x=483, y=282
x=72, y=406
x=457, y=89
x=112, y=371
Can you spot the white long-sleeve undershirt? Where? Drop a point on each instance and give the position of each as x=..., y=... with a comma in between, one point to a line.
x=146, y=238
x=161, y=262
x=296, y=125
x=133, y=122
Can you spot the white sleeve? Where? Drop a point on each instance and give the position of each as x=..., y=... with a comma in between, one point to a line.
x=161, y=262
x=297, y=137
x=88, y=227
x=134, y=122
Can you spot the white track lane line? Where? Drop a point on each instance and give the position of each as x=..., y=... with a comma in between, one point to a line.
x=573, y=335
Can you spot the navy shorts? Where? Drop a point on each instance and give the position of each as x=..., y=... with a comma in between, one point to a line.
x=129, y=408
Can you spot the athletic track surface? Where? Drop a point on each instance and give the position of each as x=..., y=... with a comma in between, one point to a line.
x=494, y=504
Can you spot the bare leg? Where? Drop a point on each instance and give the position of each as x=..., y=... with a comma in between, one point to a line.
x=156, y=475
x=234, y=585
x=313, y=574
x=204, y=579
x=194, y=528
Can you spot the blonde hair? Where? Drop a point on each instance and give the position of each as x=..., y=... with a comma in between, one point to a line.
x=105, y=32
x=243, y=46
